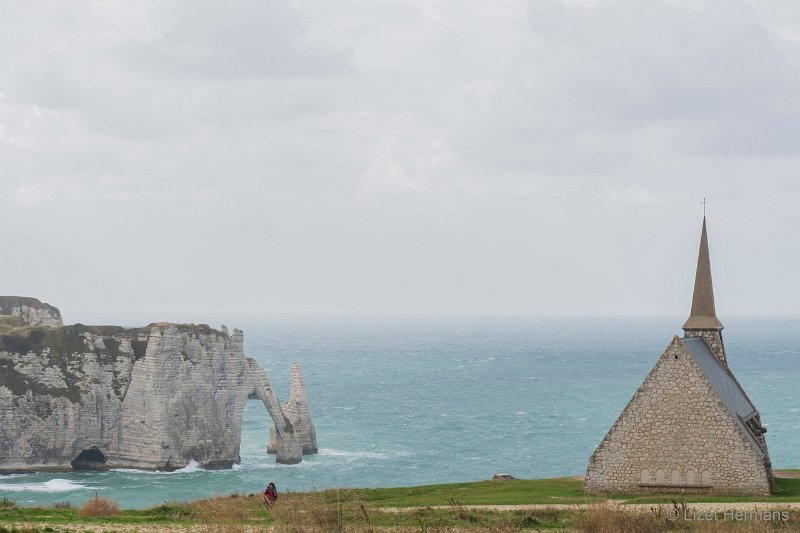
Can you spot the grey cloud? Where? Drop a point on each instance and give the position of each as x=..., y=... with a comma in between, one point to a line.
x=451, y=156
x=160, y=69
x=592, y=80
x=640, y=62
x=240, y=39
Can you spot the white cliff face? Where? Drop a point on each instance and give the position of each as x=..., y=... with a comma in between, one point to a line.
x=152, y=398
x=31, y=311
x=299, y=414
x=32, y=316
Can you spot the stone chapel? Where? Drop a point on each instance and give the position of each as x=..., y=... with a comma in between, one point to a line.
x=690, y=427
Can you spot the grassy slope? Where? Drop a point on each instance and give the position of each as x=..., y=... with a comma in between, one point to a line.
x=42, y=515
x=9, y=323
x=514, y=492
x=537, y=491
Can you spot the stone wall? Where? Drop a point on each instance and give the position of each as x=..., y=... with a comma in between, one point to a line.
x=152, y=398
x=677, y=435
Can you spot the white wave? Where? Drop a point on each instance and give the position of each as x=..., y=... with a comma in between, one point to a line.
x=53, y=485
x=344, y=408
x=328, y=452
x=135, y=471
x=521, y=413
x=193, y=466
x=306, y=464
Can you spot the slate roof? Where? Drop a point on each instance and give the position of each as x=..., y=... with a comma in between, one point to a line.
x=726, y=386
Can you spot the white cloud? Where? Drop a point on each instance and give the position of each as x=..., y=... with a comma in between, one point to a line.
x=239, y=39
x=19, y=124
x=411, y=168
x=28, y=195
x=632, y=194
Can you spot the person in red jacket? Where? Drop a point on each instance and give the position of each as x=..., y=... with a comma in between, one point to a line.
x=270, y=495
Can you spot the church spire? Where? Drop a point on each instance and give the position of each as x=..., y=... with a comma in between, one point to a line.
x=703, y=315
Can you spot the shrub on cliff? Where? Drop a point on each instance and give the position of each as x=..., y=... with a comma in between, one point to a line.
x=99, y=506
x=15, y=343
x=5, y=503
x=37, y=336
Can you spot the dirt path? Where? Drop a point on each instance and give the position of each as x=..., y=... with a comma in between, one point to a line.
x=616, y=504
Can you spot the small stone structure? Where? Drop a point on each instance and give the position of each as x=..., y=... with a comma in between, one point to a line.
x=158, y=397
x=690, y=427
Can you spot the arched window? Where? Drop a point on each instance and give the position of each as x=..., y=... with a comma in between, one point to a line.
x=645, y=478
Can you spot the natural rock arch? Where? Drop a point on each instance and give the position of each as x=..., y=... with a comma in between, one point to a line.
x=288, y=449
x=152, y=398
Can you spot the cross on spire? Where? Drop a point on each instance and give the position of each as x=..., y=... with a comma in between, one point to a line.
x=705, y=203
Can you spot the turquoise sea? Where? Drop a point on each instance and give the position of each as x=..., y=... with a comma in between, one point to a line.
x=419, y=401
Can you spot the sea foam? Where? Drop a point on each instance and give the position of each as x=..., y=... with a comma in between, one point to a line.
x=53, y=485
x=328, y=452
x=192, y=466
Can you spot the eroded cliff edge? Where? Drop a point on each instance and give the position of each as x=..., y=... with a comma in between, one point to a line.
x=156, y=397
x=27, y=311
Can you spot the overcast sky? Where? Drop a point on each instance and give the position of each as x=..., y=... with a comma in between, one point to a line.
x=411, y=156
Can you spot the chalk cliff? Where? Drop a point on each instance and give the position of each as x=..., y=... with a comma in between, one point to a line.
x=29, y=312
x=153, y=398
x=299, y=414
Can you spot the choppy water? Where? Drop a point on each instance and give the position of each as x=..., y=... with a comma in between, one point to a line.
x=415, y=402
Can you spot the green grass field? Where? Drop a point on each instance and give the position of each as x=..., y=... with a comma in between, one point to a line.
x=510, y=492
x=537, y=491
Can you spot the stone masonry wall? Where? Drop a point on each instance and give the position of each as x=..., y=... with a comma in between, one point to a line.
x=676, y=432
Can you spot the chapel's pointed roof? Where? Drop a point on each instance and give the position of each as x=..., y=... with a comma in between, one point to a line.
x=726, y=386
x=703, y=315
